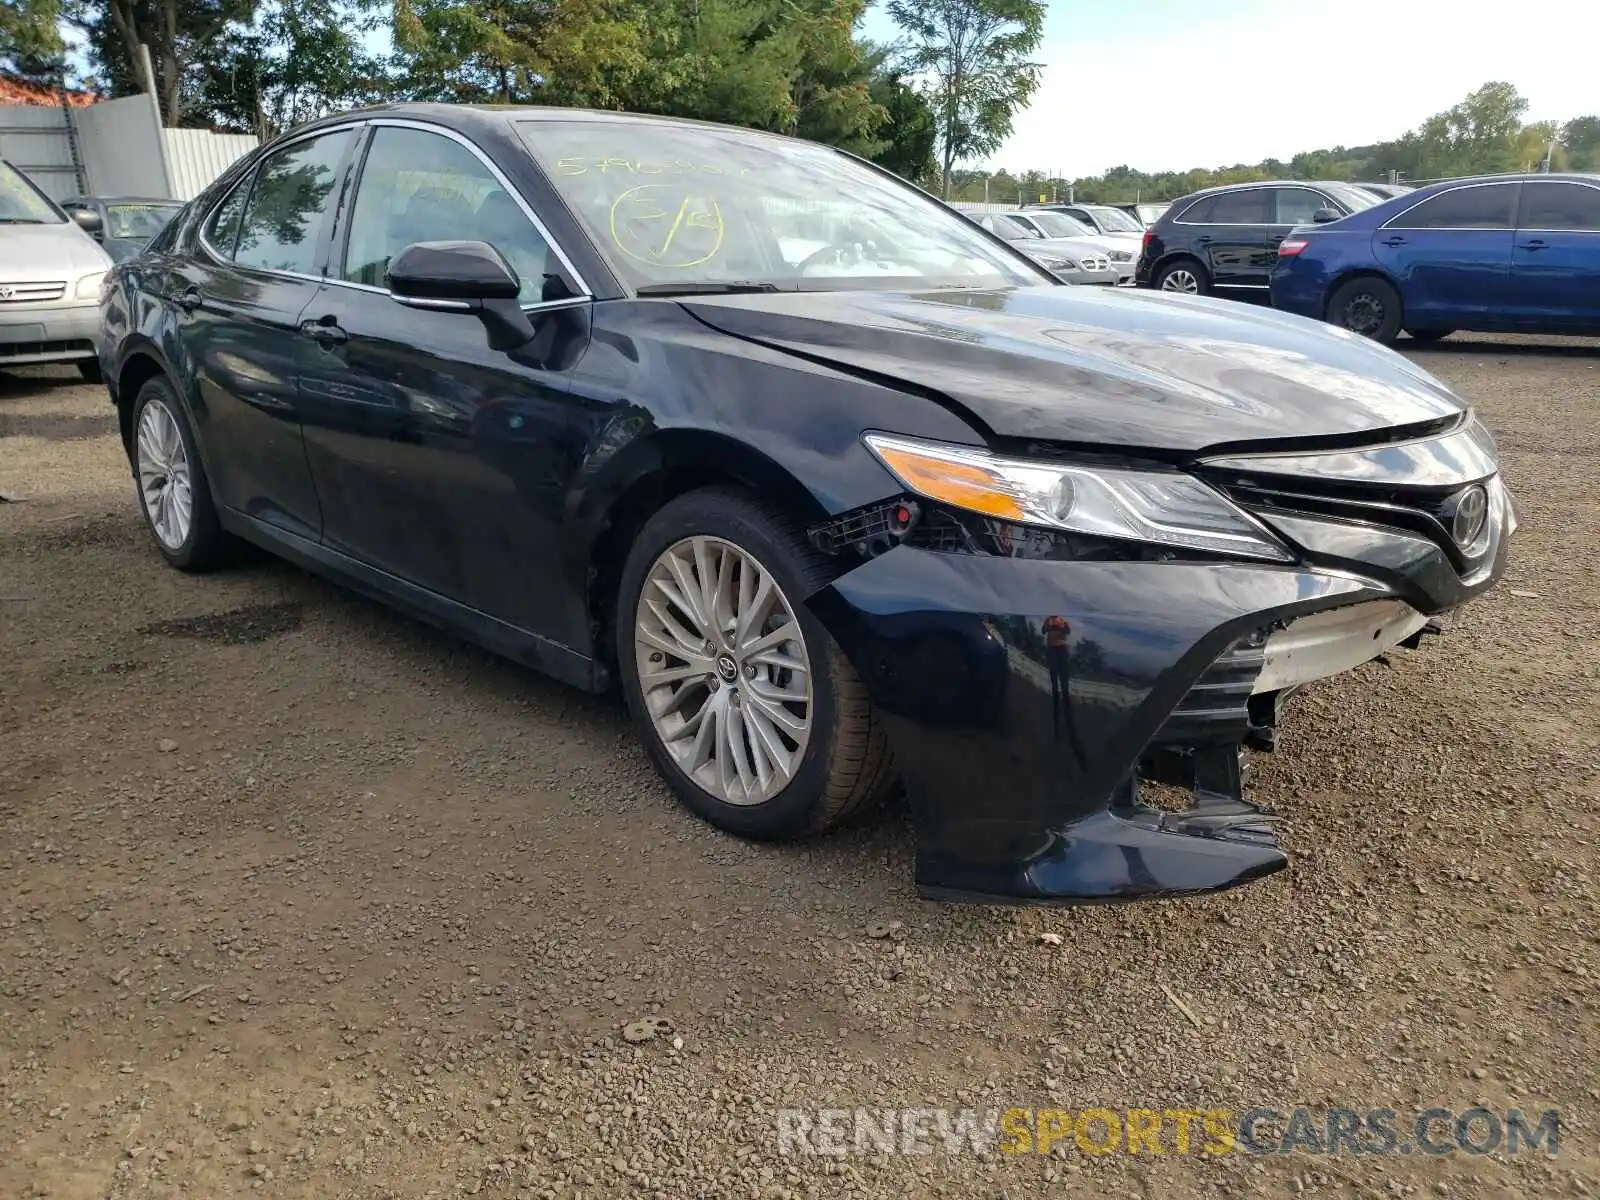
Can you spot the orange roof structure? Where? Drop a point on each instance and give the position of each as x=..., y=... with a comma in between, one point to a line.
x=19, y=91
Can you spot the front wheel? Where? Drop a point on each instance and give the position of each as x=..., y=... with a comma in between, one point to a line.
x=1368, y=306
x=747, y=706
x=1184, y=275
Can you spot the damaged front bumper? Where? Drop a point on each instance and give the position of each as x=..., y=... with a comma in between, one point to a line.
x=1031, y=687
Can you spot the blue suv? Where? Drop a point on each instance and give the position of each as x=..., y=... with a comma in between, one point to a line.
x=1505, y=253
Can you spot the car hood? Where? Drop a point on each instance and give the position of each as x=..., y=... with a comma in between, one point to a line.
x=48, y=253
x=1094, y=366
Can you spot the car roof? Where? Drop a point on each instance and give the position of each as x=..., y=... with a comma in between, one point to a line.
x=467, y=118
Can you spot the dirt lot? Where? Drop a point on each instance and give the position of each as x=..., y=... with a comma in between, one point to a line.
x=298, y=896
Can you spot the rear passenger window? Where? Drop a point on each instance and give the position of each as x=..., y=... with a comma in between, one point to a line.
x=1560, y=206
x=293, y=191
x=1252, y=207
x=222, y=230
x=1488, y=206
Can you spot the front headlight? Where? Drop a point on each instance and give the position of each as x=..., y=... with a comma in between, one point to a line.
x=1122, y=256
x=1054, y=262
x=1163, y=507
x=89, y=286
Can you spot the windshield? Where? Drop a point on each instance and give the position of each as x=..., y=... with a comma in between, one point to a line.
x=683, y=206
x=139, y=222
x=1352, y=197
x=1060, y=225
x=1115, y=220
x=21, y=203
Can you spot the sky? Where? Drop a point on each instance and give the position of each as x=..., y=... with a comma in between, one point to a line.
x=1173, y=84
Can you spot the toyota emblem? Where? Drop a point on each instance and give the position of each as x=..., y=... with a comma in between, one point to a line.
x=6, y=291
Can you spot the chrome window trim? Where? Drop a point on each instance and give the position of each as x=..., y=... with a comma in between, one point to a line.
x=1272, y=187
x=584, y=293
x=1521, y=228
x=1511, y=228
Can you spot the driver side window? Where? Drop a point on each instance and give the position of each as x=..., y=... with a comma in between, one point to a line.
x=418, y=186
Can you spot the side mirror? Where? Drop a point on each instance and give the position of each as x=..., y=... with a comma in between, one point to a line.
x=1323, y=215
x=466, y=277
x=87, y=220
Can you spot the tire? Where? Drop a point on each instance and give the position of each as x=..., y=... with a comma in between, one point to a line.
x=89, y=368
x=203, y=544
x=1369, y=306
x=1177, y=274
x=1429, y=335
x=841, y=766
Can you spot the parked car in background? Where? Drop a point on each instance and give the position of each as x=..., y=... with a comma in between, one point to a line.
x=1105, y=219
x=1501, y=253
x=1226, y=239
x=1386, y=191
x=1070, y=260
x=1064, y=228
x=127, y=223
x=1015, y=544
x=1146, y=214
x=50, y=275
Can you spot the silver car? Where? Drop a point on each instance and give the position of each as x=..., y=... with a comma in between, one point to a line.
x=50, y=273
x=1058, y=225
x=1068, y=259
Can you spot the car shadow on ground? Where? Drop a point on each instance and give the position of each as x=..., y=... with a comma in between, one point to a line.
x=21, y=382
x=1524, y=344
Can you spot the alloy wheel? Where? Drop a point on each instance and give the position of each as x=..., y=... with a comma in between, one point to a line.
x=724, y=669
x=165, y=482
x=1180, y=279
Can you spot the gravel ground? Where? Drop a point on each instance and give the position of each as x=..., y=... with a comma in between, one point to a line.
x=303, y=899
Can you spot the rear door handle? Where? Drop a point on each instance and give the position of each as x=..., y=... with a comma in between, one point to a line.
x=324, y=332
x=1535, y=244
x=1394, y=241
x=189, y=299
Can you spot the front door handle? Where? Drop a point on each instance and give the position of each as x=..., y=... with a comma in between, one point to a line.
x=1394, y=241
x=1535, y=244
x=325, y=332
x=1202, y=239
x=189, y=299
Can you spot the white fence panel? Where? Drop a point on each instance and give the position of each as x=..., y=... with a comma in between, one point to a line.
x=35, y=141
x=120, y=141
x=195, y=157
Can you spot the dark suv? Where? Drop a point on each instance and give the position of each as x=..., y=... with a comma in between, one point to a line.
x=1226, y=238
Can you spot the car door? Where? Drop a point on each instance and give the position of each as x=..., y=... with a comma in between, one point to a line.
x=1450, y=255
x=237, y=304
x=440, y=461
x=1555, y=259
x=1238, y=241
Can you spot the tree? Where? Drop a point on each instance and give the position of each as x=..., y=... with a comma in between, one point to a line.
x=183, y=35
x=301, y=60
x=1582, y=140
x=908, y=131
x=976, y=55
x=30, y=37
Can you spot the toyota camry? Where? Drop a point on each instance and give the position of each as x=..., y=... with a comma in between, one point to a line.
x=840, y=491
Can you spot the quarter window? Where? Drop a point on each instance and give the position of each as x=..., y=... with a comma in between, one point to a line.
x=1199, y=213
x=293, y=191
x=1250, y=207
x=222, y=230
x=1552, y=205
x=418, y=186
x=1488, y=206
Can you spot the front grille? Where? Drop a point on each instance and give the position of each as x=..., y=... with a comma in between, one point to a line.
x=30, y=349
x=1093, y=262
x=31, y=293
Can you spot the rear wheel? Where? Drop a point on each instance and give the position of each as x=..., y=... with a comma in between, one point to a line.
x=1368, y=306
x=1429, y=335
x=747, y=706
x=1184, y=275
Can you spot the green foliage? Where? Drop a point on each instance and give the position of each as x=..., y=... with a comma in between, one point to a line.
x=30, y=37
x=1483, y=134
x=975, y=54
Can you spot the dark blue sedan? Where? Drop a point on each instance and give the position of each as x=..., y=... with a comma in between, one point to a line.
x=1504, y=253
